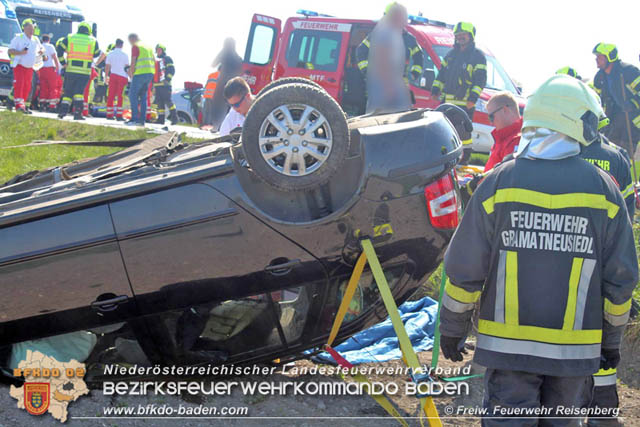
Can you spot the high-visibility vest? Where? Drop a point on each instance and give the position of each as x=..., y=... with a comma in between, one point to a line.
x=146, y=63
x=80, y=53
x=210, y=87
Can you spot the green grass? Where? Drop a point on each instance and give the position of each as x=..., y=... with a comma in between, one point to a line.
x=18, y=129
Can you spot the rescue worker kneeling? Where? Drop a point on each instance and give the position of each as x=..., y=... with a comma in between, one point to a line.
x=546, y=245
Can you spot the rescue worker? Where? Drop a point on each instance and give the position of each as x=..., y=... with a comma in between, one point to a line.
x=81, y=48
x=569, y=72
x=49, y=76
x=504, y=114
x=24, y=50
x=413, y=54
x=165, y=72
x=209, y=92
x=547, y=246
x=141, y=71
x=117, y=79
x=618, y=84
x=463, y=75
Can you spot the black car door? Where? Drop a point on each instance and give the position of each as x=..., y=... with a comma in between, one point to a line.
x=60, y=274
x=193, y=254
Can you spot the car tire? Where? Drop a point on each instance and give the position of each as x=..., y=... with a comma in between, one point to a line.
x=183, y=118
x=295, y=137
x=287, y=80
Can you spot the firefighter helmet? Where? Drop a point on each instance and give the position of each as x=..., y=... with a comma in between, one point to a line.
x=86, y=26
x=607, y=49
x=565, y=105
x=465, y=27
x=28, y=21
x=161, y=46
x=569, y=72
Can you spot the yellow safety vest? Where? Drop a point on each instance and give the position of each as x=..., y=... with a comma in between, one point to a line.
x=146, y=63
x=210, y=87
x=80, y=53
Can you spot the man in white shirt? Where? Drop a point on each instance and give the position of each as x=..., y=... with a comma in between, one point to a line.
x=24, y=50
x=116, y=77
x=238, y=96
x=48, y=75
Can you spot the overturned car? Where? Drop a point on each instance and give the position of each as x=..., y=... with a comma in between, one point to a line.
x=235, y=250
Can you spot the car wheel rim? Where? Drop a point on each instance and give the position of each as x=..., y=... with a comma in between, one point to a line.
x=295, y=139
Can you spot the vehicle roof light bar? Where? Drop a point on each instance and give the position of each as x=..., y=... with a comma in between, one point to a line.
x=307, y=13
x=421, y=20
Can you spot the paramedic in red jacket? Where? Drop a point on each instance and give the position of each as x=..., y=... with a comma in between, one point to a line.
x=505, y=116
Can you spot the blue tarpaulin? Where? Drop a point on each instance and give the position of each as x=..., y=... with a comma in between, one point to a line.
x=379, y=343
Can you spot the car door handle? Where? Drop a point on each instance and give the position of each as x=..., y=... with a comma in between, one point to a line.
x=109, y=304
x=281, y=267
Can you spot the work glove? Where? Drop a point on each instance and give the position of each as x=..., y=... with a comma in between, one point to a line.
x=452, y=348
x=609, y=358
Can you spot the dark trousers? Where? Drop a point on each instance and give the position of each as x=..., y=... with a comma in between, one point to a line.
x=514, y=389
x=73, y=91
x=163, y=98
x=618, y=132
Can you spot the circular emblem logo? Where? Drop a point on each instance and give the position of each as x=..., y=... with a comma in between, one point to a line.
x=4, y=69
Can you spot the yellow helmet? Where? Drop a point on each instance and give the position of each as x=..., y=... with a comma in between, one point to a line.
x=607, y=49
x=28, y=21
x=465, y=27
x=86, y=26
x=565, y=105
x=569, y=72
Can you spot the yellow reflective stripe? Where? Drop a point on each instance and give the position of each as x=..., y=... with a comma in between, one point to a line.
x=467, y=142
x=480, y=67
x=416, y=68
x=572, y=298
x=605, y=372
x=627, y=191
x=634, y=102
x=363, y=64
x=636, y=121
x=438, y=84
x=460, y=294
x=635, y=83
x=444, y=63
x=511, y=316
x=365, y=42
x=414, y=50
x=617, y=309
x=550, y=201
x=536, y=333
x=451, y=99
x=477, y=89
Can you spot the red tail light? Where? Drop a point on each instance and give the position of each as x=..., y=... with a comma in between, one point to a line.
x=442, y=203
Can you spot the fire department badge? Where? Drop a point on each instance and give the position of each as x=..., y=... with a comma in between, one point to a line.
x=36, y=398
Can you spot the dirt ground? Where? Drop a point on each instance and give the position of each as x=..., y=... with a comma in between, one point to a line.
x=274, y=411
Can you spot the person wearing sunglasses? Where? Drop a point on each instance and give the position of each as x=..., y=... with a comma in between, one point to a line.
x=505, y=116
x=238, y=95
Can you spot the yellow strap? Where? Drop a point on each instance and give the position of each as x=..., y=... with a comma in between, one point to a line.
x=347, y=297
x=427, y=403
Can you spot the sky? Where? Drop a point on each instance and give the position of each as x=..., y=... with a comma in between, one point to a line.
x=530, y=39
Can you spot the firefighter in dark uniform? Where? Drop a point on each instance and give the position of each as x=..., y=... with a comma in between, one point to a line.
x=463, y=75
x=546, y=245
x=618, y=84
x=414, y=55
x=166, y=71
x=609, y=157
x=81, y=48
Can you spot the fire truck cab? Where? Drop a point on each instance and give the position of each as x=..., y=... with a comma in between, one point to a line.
x=323, y=49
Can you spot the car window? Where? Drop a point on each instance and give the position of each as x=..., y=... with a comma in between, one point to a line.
x=497, y=78
x=260, y=45
x=8, y=29
x=314, y=50
x=429, y=69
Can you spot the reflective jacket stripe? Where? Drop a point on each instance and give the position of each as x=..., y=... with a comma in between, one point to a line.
x=627, y=191
x=498, y=315
x=460, y=294
x=539, y=349
x=550, y=201
x=456, y=306
x=416, y=69
x=539, y=334
x=511, y=316
x=588, y=266
x=572, y=298
x=477, y=89
x=617, y=314
x=635, y=83
x=636, y=121
x=605, y=377
x=363, y=64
